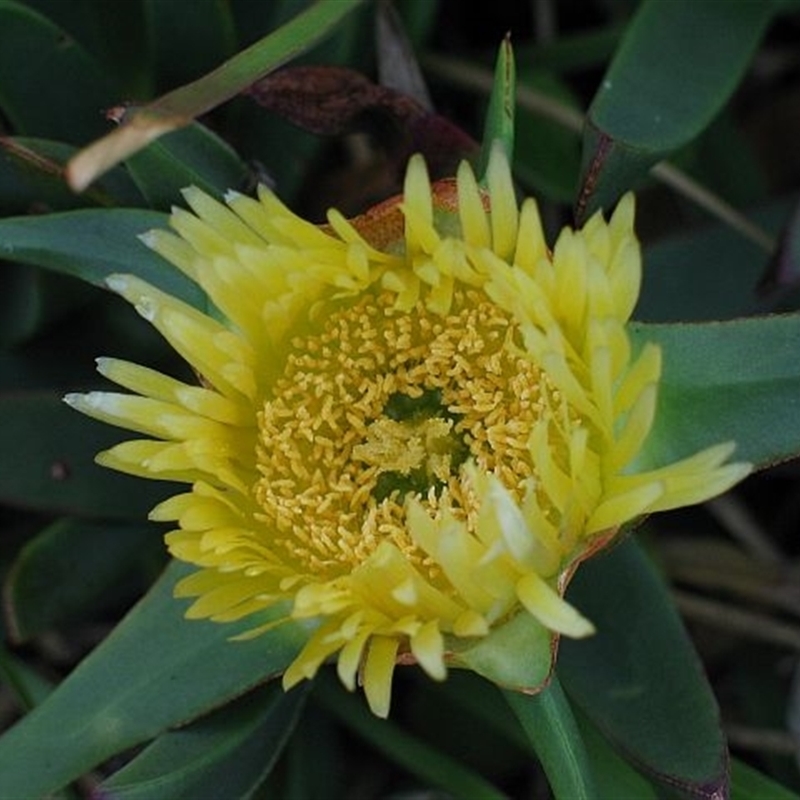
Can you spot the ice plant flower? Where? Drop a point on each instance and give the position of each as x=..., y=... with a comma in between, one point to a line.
x=412, y=426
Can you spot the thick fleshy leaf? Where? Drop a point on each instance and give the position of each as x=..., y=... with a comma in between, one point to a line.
x=155, y=671
x=517, y=655
x=737, y=380
x=74, y=568
x=228, y=753
x=551, y=727
x=49, y=85
x=92, y=244
x=638, y=679
x=57, y=473
x=193, y=156
x=677, y=65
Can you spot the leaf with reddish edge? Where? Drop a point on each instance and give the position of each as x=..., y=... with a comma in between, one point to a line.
x=675, y=68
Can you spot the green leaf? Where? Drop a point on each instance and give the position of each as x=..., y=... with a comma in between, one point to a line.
x=677, y=65
x=722, y=381
x=499, y=122
x=551, y=727
x=192, y=156
x=74, y=567
x=227, y=753
x=47, y=455
x=638, y=679
x=749, y=784
x=49, y=85
x=517, y=655
x=92, y=244
x=155, y=671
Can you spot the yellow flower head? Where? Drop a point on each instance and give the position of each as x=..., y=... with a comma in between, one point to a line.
x=412, y=426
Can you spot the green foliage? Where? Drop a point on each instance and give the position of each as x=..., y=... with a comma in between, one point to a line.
x=162, y=708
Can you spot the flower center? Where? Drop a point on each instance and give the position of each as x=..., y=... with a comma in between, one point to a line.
x=378, y=404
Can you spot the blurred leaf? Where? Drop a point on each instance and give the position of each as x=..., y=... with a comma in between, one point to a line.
x=414, y=755
x=74, y=567
x=61, y=91
x=553, y=732
x=315, y=763
x=92, y=244
x=419, y=17
x=573, y=50
x=155, y=671
x=497, y=656
x=784, y=269
x=706, y=273
x=547, y=158
x=62, y=357
x=749, y=784
x=186, y=45
x=112, y=32
x=32, y=300
x=225, y=754
x=725, y=162
x=639, y=680
x=47, y=455
x=677, y=65
x=722, y=381
x=398, y=68
x=193, y=156
x=26, y=685
x=499, y=122
x=178, y=108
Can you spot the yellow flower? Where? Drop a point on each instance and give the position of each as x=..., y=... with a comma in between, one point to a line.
x=412, y=426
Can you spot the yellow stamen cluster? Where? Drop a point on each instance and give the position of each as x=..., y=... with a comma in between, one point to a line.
x=327, y=445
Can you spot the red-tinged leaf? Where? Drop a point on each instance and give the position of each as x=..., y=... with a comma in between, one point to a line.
x=331, y=101
x=676, y=66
